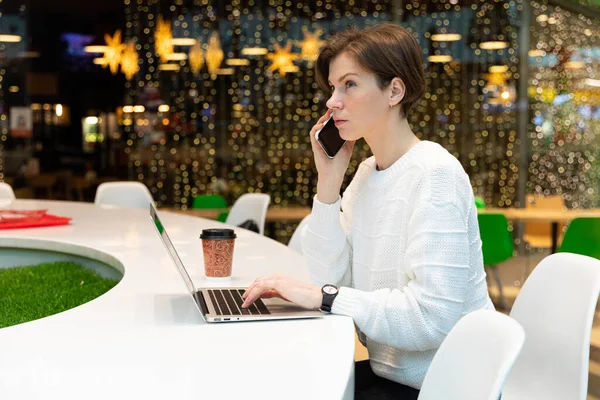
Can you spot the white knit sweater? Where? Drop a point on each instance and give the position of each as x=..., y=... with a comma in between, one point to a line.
x=407, y=255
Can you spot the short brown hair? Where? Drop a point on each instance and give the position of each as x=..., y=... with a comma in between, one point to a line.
x=387, y=50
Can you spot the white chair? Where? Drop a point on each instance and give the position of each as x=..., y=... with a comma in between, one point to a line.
x=123, y=194
x=6, y=191
x=250, y=206
x=296, y=239
x=474, y=359
x=556, y=307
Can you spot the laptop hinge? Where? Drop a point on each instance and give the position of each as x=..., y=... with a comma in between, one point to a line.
x=201, y=302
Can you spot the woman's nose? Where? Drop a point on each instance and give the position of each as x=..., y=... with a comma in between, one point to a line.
x=334, y=102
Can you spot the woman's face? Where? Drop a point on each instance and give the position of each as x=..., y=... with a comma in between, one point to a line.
x=359, y=105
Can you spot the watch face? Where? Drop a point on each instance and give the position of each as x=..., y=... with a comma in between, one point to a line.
x=329, y=289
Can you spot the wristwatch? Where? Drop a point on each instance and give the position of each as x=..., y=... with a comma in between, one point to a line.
x=329, y=294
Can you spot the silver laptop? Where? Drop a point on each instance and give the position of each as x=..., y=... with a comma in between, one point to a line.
x=224, y=304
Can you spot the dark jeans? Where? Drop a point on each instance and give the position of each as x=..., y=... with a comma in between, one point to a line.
x=367, y=385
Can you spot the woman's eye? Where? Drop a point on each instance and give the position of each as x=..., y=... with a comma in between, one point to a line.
x=332, y=88
x=350, y=84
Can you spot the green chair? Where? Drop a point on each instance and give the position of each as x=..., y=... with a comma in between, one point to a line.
x=223, y=217
x=211, y=201
x=582, y=237
x=479, y=202
x=497, y=245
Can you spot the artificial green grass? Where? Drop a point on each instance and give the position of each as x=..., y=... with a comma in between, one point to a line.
x=32, y=292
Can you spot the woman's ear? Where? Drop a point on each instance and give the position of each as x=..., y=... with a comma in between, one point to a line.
x=397, y=90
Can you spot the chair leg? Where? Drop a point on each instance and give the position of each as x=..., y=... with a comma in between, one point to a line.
x=499, y=284
x=527, y=263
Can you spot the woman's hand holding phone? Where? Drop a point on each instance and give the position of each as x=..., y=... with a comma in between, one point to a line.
x=331, y=171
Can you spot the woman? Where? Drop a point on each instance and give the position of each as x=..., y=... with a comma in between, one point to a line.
x=402, y=244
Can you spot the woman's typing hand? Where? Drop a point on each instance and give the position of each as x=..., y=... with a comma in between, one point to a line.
x=305, y=295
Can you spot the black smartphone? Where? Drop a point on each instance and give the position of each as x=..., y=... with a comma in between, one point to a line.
x=329, y=138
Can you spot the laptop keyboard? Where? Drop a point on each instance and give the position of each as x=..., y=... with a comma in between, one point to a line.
x=229, y=302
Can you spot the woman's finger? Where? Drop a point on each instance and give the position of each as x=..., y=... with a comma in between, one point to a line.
x=321, y=122
x=255, y=291
x=248, y=289
x=313, y=131
x=256, y=282
x=261, y=286
x=252, y=295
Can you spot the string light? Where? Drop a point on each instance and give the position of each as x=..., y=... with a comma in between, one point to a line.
x=237, y=62
x=592, y=82
x=439, y=58
x=183, y=41
x=565, y=130
x=456, y=109
x=224, y=71
x=6, y=38
x=176, y=57
x=255, y=51
x=446, y=37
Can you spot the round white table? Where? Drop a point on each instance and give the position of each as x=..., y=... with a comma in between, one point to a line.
x=144, y=339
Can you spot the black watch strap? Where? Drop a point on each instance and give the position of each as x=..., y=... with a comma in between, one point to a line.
x=329, y=294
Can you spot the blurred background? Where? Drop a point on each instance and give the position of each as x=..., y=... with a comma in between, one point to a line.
x=195, y=97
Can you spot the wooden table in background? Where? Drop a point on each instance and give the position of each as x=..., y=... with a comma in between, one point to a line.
x=295, y=214
x=287, y=214
x=553, y=217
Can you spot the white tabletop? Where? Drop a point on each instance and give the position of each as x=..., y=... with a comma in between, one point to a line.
x=144, y=339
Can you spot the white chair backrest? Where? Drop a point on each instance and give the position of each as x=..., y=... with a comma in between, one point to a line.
x=474, y=359
x=6, y=191
x=296, y=239
x=250, y=206
x=123, y=194
x=556, y=307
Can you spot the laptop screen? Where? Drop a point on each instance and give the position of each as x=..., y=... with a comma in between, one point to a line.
x=171, y=249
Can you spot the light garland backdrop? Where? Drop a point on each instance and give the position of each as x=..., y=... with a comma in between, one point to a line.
x=469, y=107
x=564, y=90
x=241, y=96
x=221, y=95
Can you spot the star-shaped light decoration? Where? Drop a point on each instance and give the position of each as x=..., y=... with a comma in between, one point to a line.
x=112, y=55
x=196, y=57
x=311, y=45
x=129, y=61
x=163, y=39
x=282, y=59
x=214, y=54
